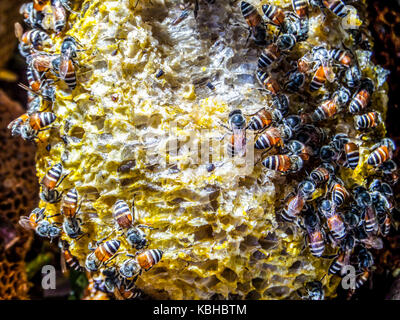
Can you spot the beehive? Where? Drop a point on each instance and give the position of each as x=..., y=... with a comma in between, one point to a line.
x=16, y=189
x=219, y=230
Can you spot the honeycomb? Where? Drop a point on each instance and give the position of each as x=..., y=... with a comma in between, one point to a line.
x=116, y=135
x=16, y=190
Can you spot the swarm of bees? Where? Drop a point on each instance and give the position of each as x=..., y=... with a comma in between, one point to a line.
x=346, y=221
x=341, y=225
x=44, y=70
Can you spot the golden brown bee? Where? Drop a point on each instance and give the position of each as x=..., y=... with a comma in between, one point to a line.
x=362, y=97
x=263, y=119
x=367, y=121
x=339, y=193
x=337, y=7
x=300, y=7
x=143, y=260
x=274, y=14
x=60, y=15
x=34, y=79
x=268, y=56
x=269, y=83
x=352, y=152
x=318, y=79
x=29, y=126
x=322, y=173
x=283, y=163
x=50, y=182
x=383, y=152
x=325, y=111
x=295, y=204
x=339, y=263
x=271, y=137
x=362, y=278
x=334, y=221
x=34, y=38
x=68, y=259
x=69, y=206
x=315, y=235
x=41, y=62
x=102, y=254
x=125, y=219
x=255, y=22
x=36, y=221
x=342, y=56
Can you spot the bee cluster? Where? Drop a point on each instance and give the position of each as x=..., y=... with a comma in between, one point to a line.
x=342, y=225
x=45, y=68
x=347, y=220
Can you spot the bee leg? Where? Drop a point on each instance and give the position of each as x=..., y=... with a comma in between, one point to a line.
x=248, y=37
x=329, y=257
x=54, y=215
x=62, y=179
x=145, y=226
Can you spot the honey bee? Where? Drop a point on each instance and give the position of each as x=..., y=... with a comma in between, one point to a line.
x=296, y=81
x=237, y=125
x=367, y=121
x=352, y=152
x=269, y=55
x=274, y=14
x=322, y=173
x=315, y=235
x=298, y=148
x=323, y=68
x=32, y=39
x=125, y=219
x=281, y=103
x=60, y=15
x=286, y=42
x=383, y=151
x=362, y=97
x=342, y=56
x=103, y=253
x=337, y=7
x=29, y=126
x=331, y=107
x=272, y=137
x=263, y=118
x=334, y=221
x=69, y=209
x=36, y=221
x=301, y=8
x=255, y=23
x=123, y=289
x=50, y=182
x=339, y=193
x=365, y=260
x=314, y=291
x=65, y=70
x=34, y=79
x=16, y=124
x=68, y=259
x=33, y=18
x=362, y=279
x=339, y=263
x=296, y=202
x=269, y=83
x=352, y=76
x=144, y=260
x=283, y=163
x=371, y=221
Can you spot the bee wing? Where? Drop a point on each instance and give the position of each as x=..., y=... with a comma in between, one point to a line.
x=25, y=223
x=328, y=70
x=239, y=141
x=19, y=30
x=64, y=63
